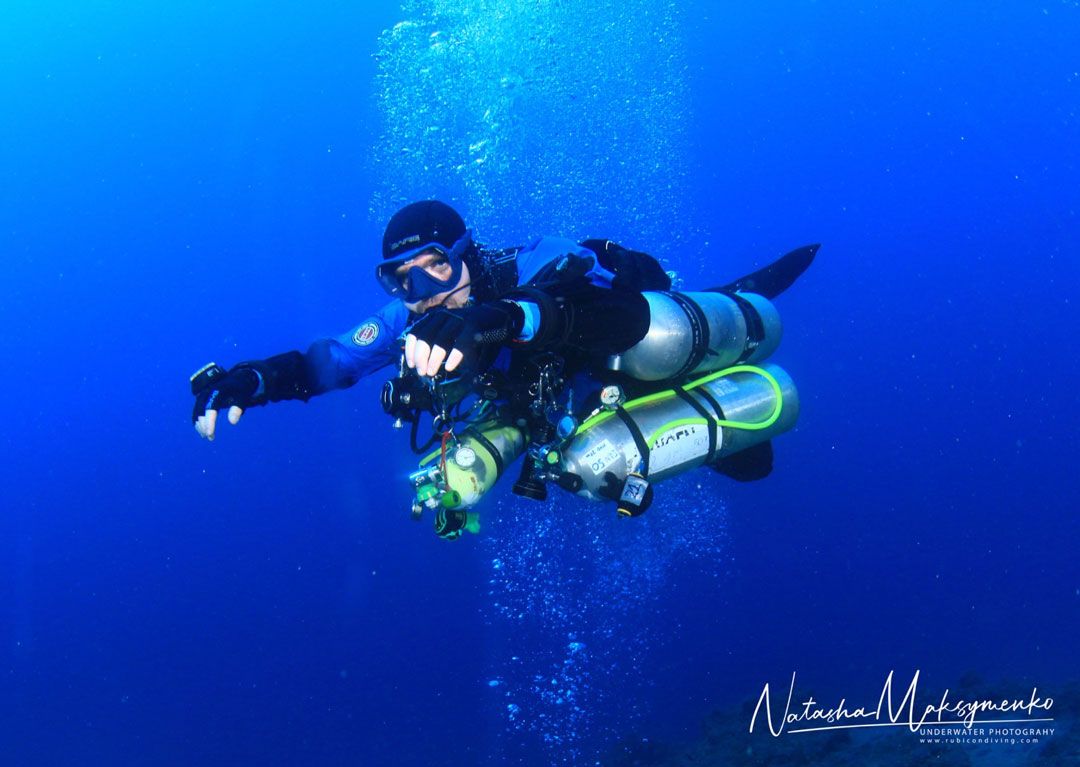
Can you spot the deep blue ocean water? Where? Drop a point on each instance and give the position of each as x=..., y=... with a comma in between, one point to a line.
x=181, y=182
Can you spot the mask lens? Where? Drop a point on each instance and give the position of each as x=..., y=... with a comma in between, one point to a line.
x=402, y=278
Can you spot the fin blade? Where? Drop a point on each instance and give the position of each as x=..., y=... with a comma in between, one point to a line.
x=777, y=277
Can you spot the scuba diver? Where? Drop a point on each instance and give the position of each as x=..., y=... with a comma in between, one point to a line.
x=530, y=350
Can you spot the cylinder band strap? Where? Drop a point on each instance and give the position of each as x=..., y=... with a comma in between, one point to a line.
x=699, y=333
x=485, y=443
x=710, y=424
x=639, y=438
x=755, y=328
x=714, y=403
x=707, y=395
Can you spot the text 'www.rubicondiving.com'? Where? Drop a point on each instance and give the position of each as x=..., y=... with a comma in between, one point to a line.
x=982, y=735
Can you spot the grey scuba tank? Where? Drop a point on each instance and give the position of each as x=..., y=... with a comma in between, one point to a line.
x=746, y=406
x=691, y=333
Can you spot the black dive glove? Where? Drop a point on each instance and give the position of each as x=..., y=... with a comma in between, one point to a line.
x=251, y=383
x=218, y=389
x=476, y=333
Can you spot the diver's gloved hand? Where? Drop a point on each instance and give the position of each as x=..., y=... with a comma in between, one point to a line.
x=248, y=384
x=454, y=336
x=217, y=389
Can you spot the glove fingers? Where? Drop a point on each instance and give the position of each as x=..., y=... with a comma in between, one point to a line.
x=453, y=360
x=429, y=339
x=234, y=414
x=419, y=359
x=206, y=423
x=201, y=400
x=438, y=354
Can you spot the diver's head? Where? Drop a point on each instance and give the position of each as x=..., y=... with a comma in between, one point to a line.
x=423, y=257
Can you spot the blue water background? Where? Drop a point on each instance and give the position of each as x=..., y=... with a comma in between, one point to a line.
x=185, y=182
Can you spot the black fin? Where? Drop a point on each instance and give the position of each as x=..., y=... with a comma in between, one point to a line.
x=747, y=465
x=775, y=278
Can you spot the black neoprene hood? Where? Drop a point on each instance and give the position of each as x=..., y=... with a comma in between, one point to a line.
x=419, y=224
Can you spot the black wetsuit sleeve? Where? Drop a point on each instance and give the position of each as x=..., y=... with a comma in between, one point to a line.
x=325, y=366
x=585, y=317
x=578, y=308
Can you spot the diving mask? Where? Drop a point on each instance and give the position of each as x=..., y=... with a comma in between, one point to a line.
x=416, y=283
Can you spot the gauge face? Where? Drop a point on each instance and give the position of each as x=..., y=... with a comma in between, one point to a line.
x=465, y=457
x=610, y=396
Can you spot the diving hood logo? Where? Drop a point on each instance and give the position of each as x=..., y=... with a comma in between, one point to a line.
x=809, y=716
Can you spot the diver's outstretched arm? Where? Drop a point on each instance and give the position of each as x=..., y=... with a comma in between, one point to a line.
x=578, y=316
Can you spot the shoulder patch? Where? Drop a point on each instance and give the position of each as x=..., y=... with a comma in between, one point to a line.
x=366, y=334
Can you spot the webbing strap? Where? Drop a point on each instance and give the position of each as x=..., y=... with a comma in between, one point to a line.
x=755, y=328
x=639, y=438
x=699, y=333
x=705, y=394
x=710, y=426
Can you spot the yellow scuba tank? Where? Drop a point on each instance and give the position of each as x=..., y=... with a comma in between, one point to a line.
x=453, y=478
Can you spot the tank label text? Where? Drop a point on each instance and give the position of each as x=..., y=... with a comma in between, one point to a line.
x=677, y=446
x=601, y=457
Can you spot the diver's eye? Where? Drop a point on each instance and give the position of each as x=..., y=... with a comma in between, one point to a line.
x=440, y=269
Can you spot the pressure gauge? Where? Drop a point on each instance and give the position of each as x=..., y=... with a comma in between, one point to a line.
x=612, y=396
x=465, y=456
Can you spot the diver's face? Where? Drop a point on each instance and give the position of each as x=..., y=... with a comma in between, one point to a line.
x=437, y=265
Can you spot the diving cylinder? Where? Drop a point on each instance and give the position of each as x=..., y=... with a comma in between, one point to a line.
x=676, y=437
x=476, y=462
x=692, y=333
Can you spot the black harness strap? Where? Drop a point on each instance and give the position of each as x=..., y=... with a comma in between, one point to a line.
x=639, y=438
x=706, y=395
x=710, y=424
